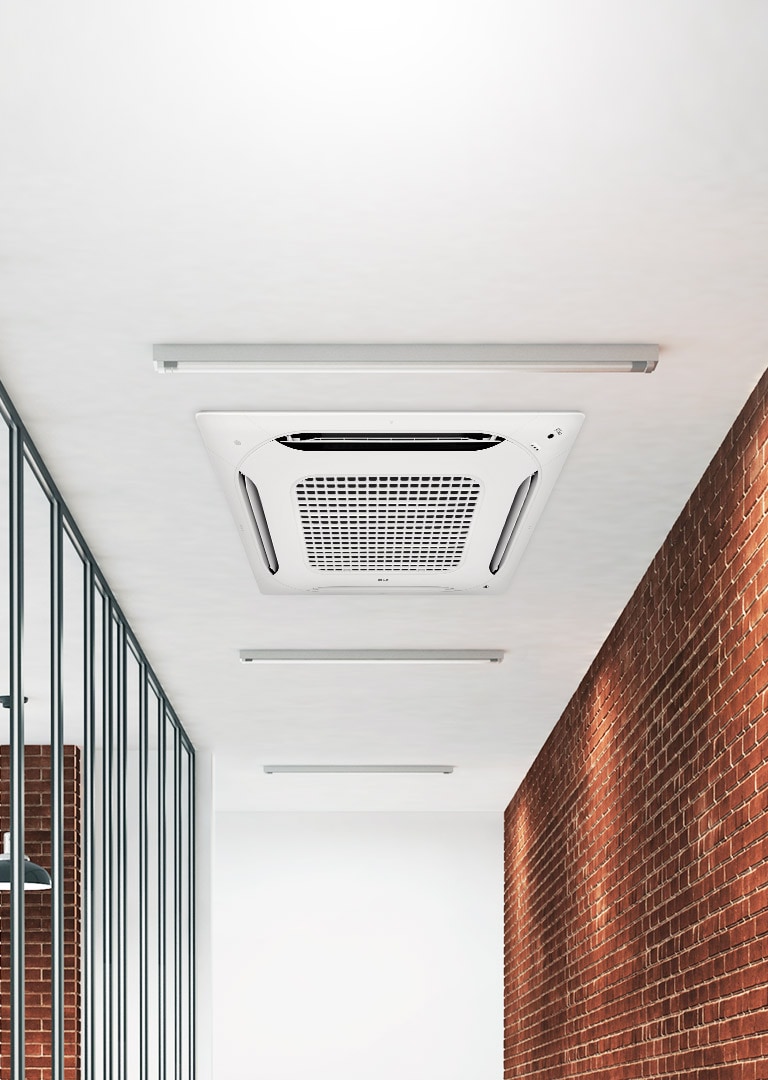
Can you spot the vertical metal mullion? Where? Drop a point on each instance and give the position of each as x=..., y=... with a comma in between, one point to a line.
x=143, y=873
x=16, y=633
x=161, y=912
x=177, y=898
x=57, y=796
x=107, y=830
x=89, y=742
x=122, y=971
x=191, y=879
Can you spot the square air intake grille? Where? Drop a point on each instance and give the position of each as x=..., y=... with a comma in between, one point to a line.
x=383, y=523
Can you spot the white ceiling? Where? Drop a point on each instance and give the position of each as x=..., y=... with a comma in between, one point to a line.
x=409, y=171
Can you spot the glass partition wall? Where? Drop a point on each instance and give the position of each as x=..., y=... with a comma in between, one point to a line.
x=97, y=787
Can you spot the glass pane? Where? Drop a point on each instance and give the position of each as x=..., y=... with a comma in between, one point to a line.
x=132, y=857
x=5, y=683
x=75, y=946
x=171, y=898
x=94, y=1023
x=153, y=967
x=36, y=661
x=37, y=634
x=5, y=779
x=185, y=910
x=117, y=826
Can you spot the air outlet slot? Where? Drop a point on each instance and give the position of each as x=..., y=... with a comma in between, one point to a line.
x=386, y=523
x=261, y=529
x=393, y=440
x=522, y=498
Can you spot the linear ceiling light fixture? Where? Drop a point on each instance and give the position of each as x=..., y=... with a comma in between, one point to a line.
x=445, y=769
x=292, y=359
x=371, y=656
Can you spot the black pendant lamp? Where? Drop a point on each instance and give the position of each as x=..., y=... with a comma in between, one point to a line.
x=35, y=878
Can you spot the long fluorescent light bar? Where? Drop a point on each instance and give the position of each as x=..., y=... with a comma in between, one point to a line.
x=371, y=656
x=302, y=359
x=445, y=769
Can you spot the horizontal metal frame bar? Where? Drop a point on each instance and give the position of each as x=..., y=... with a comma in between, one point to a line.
x=405, y=358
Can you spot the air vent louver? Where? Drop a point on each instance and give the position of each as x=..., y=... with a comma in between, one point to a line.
x=521, y=500
x=386, y=523
x=259, y=522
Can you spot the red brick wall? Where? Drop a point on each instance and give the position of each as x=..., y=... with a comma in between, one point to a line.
x=37, y=907
x=636, y=849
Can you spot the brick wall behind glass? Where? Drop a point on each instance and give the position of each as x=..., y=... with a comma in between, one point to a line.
x=37, y=824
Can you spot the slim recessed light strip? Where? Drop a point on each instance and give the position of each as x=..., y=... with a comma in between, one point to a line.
x=371, y=656
x=293, y=359
x=445, y=769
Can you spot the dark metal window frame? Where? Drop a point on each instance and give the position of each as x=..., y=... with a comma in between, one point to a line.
x=160, y=1052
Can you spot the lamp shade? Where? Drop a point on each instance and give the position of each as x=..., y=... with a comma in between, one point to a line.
x=35, y=877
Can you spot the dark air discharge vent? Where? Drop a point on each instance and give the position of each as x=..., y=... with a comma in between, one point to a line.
x=521, y=500
x=407, y=441
x=261, y=529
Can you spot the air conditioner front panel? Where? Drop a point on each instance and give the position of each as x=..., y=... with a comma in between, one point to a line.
x=378, y=517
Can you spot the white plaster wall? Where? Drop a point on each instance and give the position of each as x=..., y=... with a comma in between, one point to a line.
x=357, y=946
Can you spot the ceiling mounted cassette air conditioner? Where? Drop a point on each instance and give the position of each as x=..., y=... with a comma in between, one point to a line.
x=386, y=502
